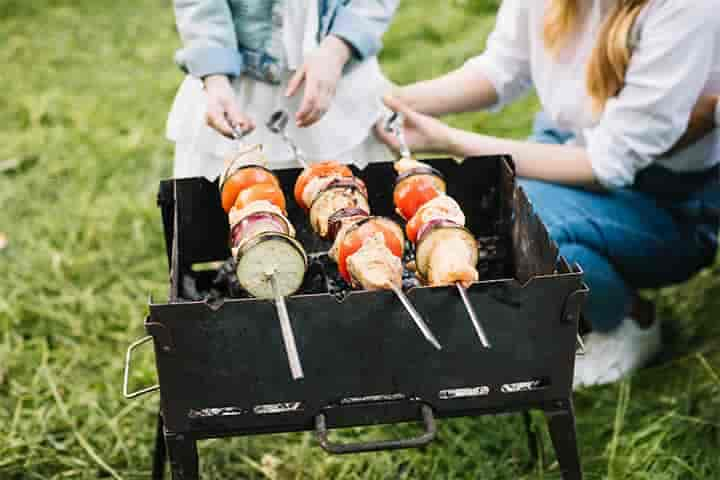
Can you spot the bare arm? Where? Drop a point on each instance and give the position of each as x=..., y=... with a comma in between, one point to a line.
x=553, y=163
x=462, y=90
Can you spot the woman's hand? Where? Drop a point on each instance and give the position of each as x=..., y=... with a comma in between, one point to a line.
x=320, y=74
x=222, y=111
x=552, y=163
x=422, y=133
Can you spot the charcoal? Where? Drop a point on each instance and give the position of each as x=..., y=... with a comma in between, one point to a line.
x=323, y=275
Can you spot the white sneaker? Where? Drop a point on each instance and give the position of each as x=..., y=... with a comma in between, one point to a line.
x=610, y=356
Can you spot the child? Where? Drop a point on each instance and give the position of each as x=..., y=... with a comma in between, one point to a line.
x=246, y=59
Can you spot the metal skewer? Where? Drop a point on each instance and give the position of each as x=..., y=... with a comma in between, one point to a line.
x=415, y=316
x=394, y=124
x=287, y=332
x=238, y=134
x=473, y=316
x=277, y=124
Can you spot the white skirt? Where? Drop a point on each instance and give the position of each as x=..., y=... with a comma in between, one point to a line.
x=345, y=133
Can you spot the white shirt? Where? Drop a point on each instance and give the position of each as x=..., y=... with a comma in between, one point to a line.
x=675, y=58
x=344, y=133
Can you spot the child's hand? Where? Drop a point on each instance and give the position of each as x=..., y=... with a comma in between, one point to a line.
x=320, y=73
x=222, y=110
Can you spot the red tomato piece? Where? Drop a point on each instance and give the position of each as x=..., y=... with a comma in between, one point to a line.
x=261, y=191
x=355, y=238
x=242, y=179
x=412, y=193
x=413, y=227
x=322, y=169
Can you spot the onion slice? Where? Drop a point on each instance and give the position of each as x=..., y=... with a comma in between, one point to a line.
x=438, y=177
x=255, y=224
x=336, y=219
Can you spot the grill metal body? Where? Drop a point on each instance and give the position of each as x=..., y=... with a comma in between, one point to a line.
x=221, y=362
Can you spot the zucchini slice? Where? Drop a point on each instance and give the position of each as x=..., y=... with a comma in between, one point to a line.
x=268, y=254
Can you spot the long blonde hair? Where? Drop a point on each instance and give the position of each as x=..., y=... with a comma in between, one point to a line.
x=611, y=55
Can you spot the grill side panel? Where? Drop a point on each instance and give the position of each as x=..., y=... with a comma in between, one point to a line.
x=233, y=358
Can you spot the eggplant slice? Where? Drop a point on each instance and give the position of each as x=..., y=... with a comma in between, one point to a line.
x=271, y=254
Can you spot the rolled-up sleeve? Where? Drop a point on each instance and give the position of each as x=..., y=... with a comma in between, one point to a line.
x=208, y=37
x=505, y=63
x=669, y=67
x=362, y=24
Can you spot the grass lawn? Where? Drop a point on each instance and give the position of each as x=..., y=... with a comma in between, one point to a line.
x=85, y=91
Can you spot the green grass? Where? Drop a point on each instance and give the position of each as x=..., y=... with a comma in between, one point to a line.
x=85, y=92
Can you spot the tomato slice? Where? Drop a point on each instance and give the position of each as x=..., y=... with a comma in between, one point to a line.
x=322, y=169
x=355, y=238
x=261, y=191
x=413, y=192
x=413, y=227
x=242, y=179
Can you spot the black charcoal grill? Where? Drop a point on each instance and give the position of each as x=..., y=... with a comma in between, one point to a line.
x=220, y=357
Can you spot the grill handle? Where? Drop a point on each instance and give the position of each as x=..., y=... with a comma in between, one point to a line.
x=126, y=376
x=321, y=432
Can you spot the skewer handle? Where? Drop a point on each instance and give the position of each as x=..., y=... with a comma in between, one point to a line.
x=287, y=332
x=238, y=134
x=394, y=124
x=427, y=333
x=473, y=316
x=297, y=153
x=277, y=124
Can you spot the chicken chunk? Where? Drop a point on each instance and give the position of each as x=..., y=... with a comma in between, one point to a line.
x=329, y=202
x=441, y=207
x=346, y=222
x=246, y=155
x=315, y=186
x=452, y=260
x=374, y=266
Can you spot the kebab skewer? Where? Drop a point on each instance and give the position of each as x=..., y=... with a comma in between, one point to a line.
x=446, y=252
x=367, y=249
x=270, y=262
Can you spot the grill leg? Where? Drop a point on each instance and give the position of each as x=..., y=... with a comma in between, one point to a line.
x=183, y=457
x=533, y=439
x=564, y=439
x=160, y=456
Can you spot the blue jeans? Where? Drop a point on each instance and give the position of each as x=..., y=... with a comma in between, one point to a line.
x=659, y=232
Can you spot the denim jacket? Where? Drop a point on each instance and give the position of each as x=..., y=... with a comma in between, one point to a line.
x=232, y=36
